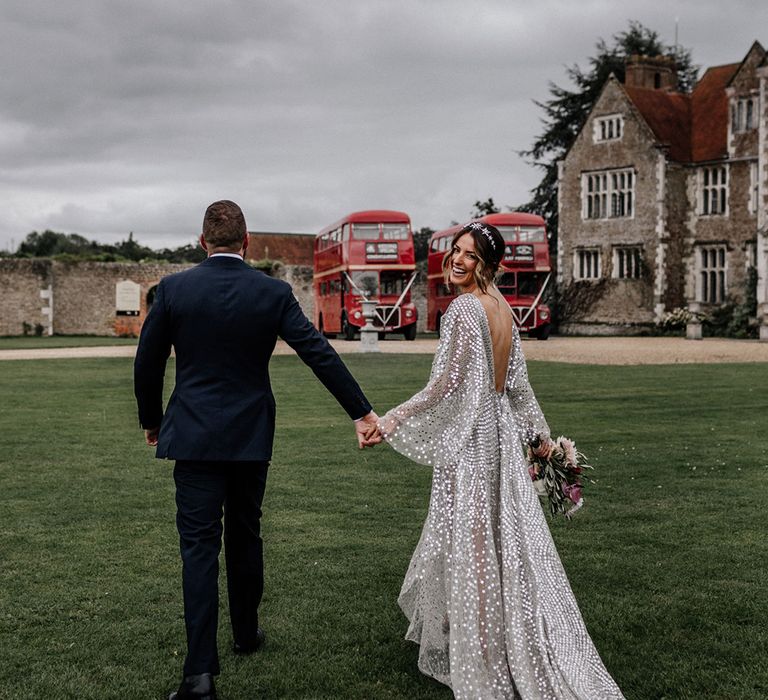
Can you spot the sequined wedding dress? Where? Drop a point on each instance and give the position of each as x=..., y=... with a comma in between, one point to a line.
x=486, y=595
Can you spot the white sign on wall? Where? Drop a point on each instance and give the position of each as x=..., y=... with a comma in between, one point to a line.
x=127, y=298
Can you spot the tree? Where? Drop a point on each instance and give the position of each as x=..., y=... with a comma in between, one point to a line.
x=74, y=246
x=131, y=250
x=484, y=208
x=48, y=243
x=421, y=242
x=183, y=254
x=567, y=110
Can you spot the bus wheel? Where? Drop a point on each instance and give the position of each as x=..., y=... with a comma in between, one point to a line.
x=322, y=330
x=438, y=318
x=347, y=328
x=542, y=332
x=410, y=332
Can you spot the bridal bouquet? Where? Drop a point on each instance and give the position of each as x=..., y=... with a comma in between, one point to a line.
x=556, y=468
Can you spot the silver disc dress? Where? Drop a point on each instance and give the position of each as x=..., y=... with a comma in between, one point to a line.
x=486, y=595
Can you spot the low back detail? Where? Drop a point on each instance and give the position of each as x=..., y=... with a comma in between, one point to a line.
x=486, y=595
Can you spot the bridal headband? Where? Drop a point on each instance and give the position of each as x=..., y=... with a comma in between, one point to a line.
x=477, y=226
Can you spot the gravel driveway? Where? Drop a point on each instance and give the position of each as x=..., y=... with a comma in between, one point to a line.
x=593, y=351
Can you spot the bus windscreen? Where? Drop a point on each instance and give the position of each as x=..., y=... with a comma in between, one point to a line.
x=529, y=283
x=366, y=281
x=523, y=234
x=365, y=232
x=507, y=284
x=393, y=283
x=395, y=232
x=532, y=235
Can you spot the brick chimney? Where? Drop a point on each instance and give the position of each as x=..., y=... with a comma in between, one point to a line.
x=652, y=72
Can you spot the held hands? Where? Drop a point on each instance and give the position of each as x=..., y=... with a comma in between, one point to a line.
x=367, y=431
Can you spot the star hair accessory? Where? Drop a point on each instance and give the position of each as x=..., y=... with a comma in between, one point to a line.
x=477, y=226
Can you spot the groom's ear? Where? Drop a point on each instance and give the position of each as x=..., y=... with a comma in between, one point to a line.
x=203, y=244
x=245, y=242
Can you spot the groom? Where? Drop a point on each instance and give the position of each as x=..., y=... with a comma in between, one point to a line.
x=223, y=318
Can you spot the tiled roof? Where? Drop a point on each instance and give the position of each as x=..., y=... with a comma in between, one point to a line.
x=709, y=108
x=290, y=248
x=693, y=127
x=669, y=116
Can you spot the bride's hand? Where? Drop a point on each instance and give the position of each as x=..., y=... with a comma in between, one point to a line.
x=367, y=431
x=543, y=447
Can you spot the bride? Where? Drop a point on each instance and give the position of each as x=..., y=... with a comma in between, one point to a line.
x=486, y=595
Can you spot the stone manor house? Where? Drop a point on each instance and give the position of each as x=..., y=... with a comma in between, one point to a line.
x=662, y=197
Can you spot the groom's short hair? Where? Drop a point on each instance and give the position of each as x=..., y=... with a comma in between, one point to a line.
x=224, y=225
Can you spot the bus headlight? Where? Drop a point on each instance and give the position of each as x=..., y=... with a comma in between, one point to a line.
x=408, y=313
x=544, y=315
x=357, y=315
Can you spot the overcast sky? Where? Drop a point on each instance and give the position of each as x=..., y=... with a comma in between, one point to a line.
x=134, y=115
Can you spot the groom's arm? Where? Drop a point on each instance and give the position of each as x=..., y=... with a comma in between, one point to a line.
x=315, y=350
x=149, y=366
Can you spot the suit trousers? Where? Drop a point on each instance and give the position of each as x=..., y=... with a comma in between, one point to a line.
x=204, y=492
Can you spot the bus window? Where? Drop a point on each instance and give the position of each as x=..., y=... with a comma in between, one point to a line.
x=365, y=280
x=393, y=282
x=530, y=283
x=508, y=233
x=533, y=235
x=434, y=245
x=395, y=232
x=345, y=233
x=366, y=232
x=444, y=243
x=507, y=283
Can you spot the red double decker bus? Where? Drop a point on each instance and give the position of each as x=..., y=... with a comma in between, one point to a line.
x=526, y=271
x=367, y=254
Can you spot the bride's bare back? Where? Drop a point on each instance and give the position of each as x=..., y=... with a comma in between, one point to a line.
x=500, y=323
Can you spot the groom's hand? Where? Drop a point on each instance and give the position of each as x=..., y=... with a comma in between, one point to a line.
x=151, y=436
x=367, y=431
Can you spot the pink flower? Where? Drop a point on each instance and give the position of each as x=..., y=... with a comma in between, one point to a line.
x=569, y=448
x=572, y=492
x=534, y=472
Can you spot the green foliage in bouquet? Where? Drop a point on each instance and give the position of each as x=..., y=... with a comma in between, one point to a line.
x=557, y=469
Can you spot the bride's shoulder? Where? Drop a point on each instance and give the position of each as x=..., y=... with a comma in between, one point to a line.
x=464, y=304
x=464, y=310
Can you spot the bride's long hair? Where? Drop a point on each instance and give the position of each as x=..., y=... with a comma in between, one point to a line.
x=489, y=246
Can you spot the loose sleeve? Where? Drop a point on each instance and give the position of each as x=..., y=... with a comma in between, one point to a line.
x=525, y=408
x=433, y=425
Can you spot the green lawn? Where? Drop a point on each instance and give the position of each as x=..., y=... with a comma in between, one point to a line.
x=668, y=558
x=24, y=342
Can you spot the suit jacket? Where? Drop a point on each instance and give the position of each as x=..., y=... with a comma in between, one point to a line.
x=223, y=318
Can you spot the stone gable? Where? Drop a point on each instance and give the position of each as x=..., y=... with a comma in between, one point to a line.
x=698, y=169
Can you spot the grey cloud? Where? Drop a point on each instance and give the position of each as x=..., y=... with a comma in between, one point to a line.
x=119, y=116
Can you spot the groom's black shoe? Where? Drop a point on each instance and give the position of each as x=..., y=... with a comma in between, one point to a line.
x=199, y=687
x=261, y=637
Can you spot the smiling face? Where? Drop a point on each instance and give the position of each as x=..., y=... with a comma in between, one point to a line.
x=463, y=262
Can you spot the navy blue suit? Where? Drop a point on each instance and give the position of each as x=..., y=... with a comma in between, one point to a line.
x=223, y=319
